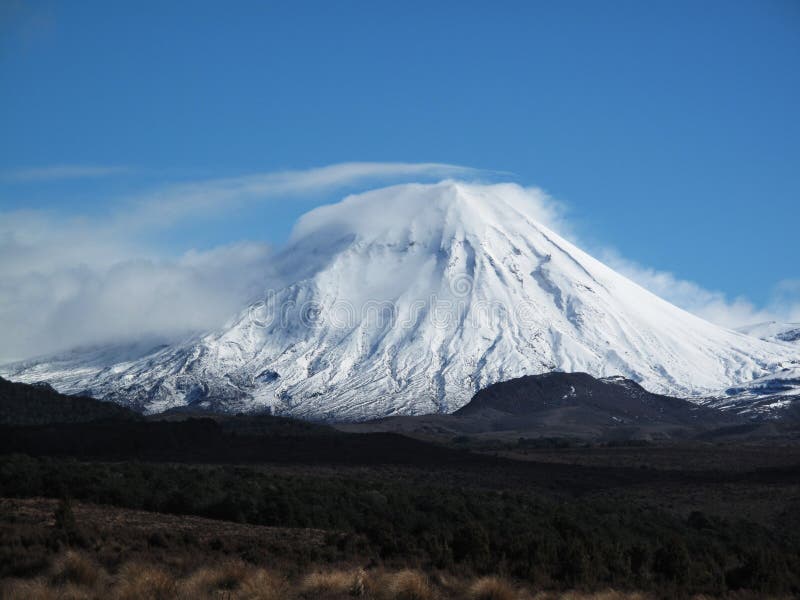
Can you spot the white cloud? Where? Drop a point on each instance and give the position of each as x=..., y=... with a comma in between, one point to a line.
x=159, y=298
x=67, y=282
x=713, y=306
x=165, y=206
x=58, y=172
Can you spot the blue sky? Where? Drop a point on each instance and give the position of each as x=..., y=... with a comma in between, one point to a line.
x=669, y=130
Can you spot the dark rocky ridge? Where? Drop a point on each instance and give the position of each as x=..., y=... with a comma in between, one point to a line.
x=579, y=397
x=40, y=404
x=574, y=405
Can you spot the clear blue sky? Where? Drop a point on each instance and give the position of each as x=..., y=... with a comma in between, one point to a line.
x=670, y=128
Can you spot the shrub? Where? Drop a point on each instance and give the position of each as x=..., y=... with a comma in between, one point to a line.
x=471, y=543
x=574, y=543
x=671, y=562
x=64, y=520
x=575, y=564
x=157, y=540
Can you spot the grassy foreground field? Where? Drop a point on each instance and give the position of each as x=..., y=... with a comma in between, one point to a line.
x=121, y=554
x=323, y=513
x=539, y=527
x=75, y=577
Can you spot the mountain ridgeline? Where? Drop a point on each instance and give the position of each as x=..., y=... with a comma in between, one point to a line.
x=614, y=398
x=39, y=404
x=565, y=405
x=477, y=290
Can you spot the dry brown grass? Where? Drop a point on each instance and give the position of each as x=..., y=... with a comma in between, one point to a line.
x=229, y=576
x=614, y=595
x=136, y=581
x=491, y=588
x=73, y=567
x=32, y=589
x=75, y=592
x=603, y=595
x=41, y=589
x=409, y=585
x=74, y=576
x=352, y=583
x=263, y=585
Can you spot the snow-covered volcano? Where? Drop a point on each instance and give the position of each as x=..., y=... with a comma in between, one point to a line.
x=408, y=299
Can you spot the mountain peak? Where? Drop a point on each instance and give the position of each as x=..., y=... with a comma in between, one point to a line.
x=409, y=299
x=421, y=213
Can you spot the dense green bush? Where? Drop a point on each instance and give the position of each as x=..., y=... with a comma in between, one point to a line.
x=569, y=543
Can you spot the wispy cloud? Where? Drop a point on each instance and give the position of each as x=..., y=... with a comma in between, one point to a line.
x=67, y=282
x=166, y=205
x=714, y=306
x=61, y=172
x=104, y=294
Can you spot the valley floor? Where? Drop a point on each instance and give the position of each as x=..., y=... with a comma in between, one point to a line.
x=122, y=554
x=340, y=510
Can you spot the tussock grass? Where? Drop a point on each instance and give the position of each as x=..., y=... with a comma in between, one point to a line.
x=264, y=585
x=74, y=592
x=603, y=595
x=136, y=581
x=491, y=588
x=73, y=567
x=614, y=595
x=32, y=589
x=409, y=585
x=352, y=583
x=75, y=576
x=228, y=576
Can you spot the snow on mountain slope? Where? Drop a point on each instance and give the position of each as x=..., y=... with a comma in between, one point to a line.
x=774, y=395
x=408, y=299
x=72, y=369
x=774, y=331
